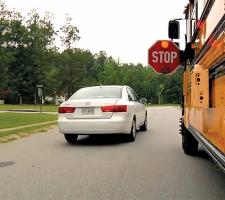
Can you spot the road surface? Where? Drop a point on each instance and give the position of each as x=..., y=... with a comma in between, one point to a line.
x=45, y=167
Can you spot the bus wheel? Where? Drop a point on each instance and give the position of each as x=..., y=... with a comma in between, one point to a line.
x=189, y=143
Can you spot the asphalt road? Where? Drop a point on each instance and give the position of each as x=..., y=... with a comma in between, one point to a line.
x=154, y=167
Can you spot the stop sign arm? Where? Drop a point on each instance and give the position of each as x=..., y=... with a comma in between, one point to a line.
x=164, y=56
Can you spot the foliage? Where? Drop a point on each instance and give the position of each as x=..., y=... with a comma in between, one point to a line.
x=69, y=34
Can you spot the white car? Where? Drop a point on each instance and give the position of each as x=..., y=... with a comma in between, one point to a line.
x=102, y=110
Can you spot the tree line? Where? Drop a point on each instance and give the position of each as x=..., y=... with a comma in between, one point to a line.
x=29, y=57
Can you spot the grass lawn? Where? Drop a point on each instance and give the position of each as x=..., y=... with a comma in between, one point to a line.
x=8, y=136
x=46, y=108
x=9, y=120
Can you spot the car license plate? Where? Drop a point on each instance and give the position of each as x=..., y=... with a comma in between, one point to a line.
x=87, y=111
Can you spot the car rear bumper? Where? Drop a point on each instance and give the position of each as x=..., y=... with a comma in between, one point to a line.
x=113, y=125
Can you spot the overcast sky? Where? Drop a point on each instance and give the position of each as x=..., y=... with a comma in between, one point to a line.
x=125, y=29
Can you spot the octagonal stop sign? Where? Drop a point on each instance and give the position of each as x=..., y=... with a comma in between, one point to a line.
x=164, y=56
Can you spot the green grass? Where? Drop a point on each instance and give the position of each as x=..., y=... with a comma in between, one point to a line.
x=7, y=136
x=9, y=120
x=45, y=108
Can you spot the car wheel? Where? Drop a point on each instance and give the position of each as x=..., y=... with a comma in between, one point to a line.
x=144, y=126
x=189, y=143
x=71, y=138
x=132, y=135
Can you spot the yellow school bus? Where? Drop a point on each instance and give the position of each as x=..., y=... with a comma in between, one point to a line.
x=203, y=116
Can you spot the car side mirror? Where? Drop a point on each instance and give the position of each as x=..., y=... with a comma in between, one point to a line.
x=143, y=100
x=174, y=29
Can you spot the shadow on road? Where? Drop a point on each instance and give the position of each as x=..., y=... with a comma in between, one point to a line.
x=203, y=154
x=102, y=139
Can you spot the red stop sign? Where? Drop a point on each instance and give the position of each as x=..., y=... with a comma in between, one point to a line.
x=164, y=56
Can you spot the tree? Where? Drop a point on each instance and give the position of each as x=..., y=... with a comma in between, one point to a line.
x=30, y=41
x=11, y=38
x=73, y=70
x=40, y=37
x=99, y=64
x=69, y=34
x=173, y=87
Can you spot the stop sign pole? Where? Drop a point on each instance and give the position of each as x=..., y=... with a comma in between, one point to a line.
x=164, y=57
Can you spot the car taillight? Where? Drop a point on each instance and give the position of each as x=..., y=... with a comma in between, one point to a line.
x=115, y=108
x=107, y=108
x=120, y=108
x=66, y=109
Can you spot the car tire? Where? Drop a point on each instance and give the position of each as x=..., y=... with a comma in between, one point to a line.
x=189, y=143
x=71, y=138
x=144, y=126
x=132, y=134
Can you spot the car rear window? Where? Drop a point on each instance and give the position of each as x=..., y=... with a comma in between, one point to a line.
x=97, y=92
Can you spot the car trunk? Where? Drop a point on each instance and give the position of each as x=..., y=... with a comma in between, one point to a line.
x=90, y=108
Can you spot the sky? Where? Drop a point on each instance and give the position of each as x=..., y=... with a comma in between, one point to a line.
x=124, y=29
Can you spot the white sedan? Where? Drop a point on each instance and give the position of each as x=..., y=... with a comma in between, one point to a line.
x=102, y=110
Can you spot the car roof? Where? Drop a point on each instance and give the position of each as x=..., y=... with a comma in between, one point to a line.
x=119, y=86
